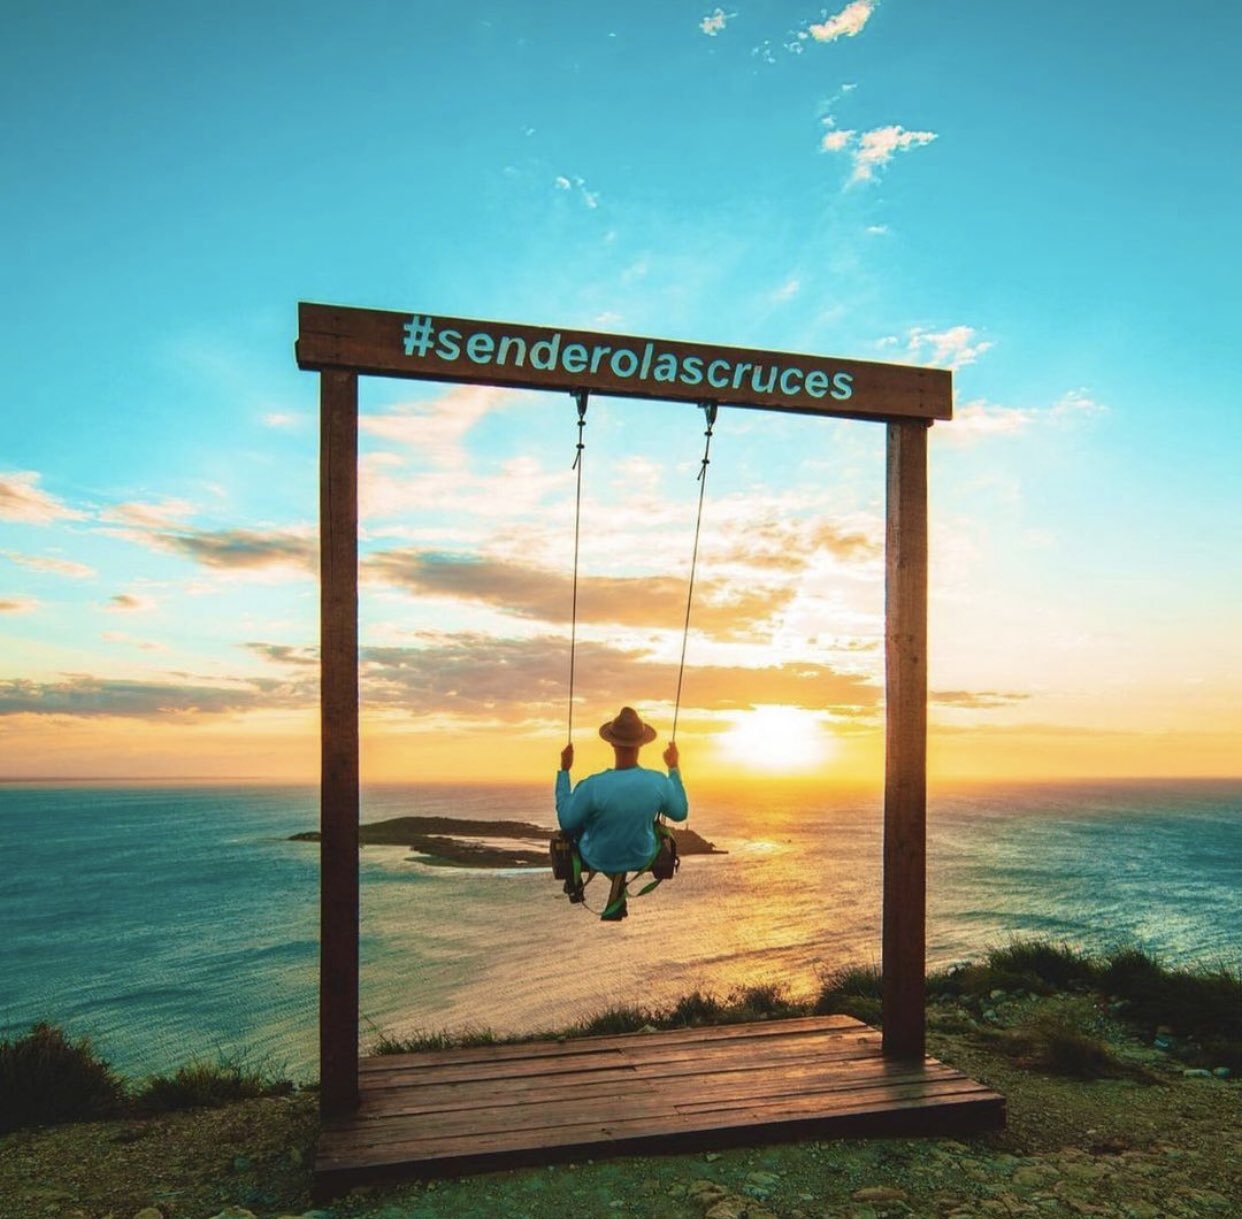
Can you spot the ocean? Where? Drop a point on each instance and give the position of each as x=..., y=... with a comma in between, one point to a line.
x=171, y=922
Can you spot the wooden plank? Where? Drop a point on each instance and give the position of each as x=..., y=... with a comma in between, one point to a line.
x=432, y=348
x=338, y=872
x=567, y=1047
x=668, y=1095
x=606, y=1129
x=662, y=1059
x=905, y=770
x=639, y=1074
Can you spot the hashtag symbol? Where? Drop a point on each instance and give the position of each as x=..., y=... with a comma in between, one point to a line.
x=419, y=335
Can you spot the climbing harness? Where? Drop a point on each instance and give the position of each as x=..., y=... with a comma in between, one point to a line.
x=567, y=864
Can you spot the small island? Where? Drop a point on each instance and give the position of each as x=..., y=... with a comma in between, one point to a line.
x=452, y=842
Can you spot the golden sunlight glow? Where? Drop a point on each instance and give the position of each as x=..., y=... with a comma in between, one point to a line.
x=779, y=740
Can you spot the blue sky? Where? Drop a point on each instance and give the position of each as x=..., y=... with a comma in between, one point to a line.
x=1041, y=197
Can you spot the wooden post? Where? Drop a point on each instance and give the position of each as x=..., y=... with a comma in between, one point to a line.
x=905, y=763
x=338, y=851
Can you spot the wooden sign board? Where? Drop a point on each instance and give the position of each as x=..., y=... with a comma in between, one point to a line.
x=432, y=348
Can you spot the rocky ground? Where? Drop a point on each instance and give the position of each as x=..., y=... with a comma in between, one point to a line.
x=1158, y=1143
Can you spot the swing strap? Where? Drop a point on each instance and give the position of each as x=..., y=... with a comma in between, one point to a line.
x=710, y=409
x=581, y=396
x=662, y=865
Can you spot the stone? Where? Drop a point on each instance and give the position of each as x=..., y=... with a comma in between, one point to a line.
x=234, y=1212
x=1196, y=1073
x=1221, y=1072
x=763, y=1180
x=880, y=1193
x=731, y=1207
x=996, y=995
x=705, y=1193
x=149, y=1212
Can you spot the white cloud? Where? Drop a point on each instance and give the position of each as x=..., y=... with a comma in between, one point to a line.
x=17, y=605
x=161, y=515
x=59, y=567
x=713, y=23
x=878, y=146
x=589, y=197
x=1073, y=403
x=436, y=430
x=835, y=141
x=871, y=149
x=848, y=23
x=281, y=419
x=130, y=603
x=876, y=230
x=980, y=419
x=21, y=500
x=789, y=289
x=953, y=348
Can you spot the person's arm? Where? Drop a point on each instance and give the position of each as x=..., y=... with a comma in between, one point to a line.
x=571, y=806
x=676, y=806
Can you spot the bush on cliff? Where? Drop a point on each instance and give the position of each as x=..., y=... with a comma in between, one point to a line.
x=46, y=1079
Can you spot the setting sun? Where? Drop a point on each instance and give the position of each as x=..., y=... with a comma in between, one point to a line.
x=776, y=739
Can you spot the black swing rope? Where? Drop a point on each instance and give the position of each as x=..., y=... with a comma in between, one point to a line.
x=710, y=408
x=581, y=397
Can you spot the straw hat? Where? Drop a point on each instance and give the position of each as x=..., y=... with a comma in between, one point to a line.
x=627, y=730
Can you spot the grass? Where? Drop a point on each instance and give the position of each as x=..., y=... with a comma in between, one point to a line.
x=1037, y=967
x=856, y=990
x=423, y=1042
x=1067, y=1036
x=46, y=1079
x=206, y=1085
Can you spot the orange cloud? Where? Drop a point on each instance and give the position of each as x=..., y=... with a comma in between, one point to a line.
x=528, y=591
x=22, y=500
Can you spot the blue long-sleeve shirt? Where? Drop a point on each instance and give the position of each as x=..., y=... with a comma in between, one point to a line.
x=611, y=814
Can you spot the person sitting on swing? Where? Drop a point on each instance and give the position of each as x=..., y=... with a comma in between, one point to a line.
x=611, y=815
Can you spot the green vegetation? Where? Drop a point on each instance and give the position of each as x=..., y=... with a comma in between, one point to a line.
x=45, y=1080
x=206, y=1085
x=1194, y=1012
x=855, y=990
x=422, y=1043
x=1048, y=1007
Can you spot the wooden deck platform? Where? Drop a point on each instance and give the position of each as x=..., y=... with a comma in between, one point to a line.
x=458, y=1111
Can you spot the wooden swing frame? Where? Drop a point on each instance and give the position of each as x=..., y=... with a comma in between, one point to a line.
x=342, y=343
